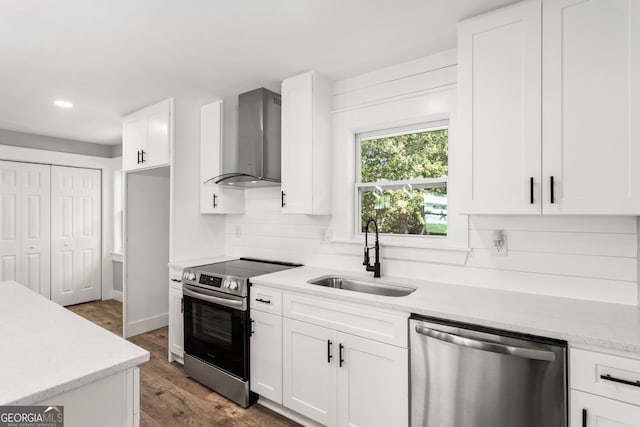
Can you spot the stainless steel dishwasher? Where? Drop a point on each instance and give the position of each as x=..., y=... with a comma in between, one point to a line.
x=468, y=376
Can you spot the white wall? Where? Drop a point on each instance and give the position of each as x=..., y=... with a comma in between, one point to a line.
x=588, y=257
x=193, y=235
x=107, y=165
x=146, y=251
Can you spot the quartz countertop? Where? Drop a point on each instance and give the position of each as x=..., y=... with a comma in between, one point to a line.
x=48, y=350
x=610, y=326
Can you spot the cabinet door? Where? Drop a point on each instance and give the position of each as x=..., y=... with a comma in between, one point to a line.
x=266, y=355
x=297, y=144
x=146, y=137
x=601, y=412
x=176, y=322
x=591, y=106
x=499, y=73
x=134, y=141
x=309, y=371
x=159, y=132
x=373, y=383
x=215, y=199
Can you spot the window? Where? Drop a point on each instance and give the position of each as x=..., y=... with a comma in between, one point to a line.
x=402, y=179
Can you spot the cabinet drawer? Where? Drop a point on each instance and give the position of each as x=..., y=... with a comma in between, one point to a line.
x=376, y=324
x=605, y=375
x=601, y=412
x=266, y=299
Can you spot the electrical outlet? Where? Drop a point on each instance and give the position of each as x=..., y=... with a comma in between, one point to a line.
x=500, y=251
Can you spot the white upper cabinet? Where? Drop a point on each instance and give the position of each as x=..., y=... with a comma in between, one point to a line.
x=214, y=198
x=306, y=145
x=547, y=95
x=499, y=97
x=147, y=137
x=591, y=93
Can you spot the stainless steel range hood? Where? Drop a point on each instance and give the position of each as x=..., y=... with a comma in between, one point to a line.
x=258, y=147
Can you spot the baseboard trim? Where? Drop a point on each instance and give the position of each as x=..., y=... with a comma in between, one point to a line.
x=117, y=295
x=145, y=325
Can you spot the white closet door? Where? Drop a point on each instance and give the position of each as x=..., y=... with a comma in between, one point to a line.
x=75, y=235
x=24, y=225
x=10, y=221
x=36, y=239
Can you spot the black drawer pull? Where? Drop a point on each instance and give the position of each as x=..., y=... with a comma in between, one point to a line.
x=584, y=418
x=266, y=301
x=329, y=355
x=619, y=380
x=341, y=359
x=531, y=190
x=553, y=199
x=282, y=202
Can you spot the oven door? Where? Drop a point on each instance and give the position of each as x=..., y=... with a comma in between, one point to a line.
x=216, y=329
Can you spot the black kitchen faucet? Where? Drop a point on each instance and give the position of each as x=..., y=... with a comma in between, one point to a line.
x=376, y=265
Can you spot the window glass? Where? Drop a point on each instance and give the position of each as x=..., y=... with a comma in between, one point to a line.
x=403, y=180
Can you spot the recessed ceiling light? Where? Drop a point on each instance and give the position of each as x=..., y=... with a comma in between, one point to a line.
x=63, y=104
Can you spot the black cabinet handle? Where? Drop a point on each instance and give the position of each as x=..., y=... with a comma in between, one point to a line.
x=138, y=156
x=181, y=305
x=142, y=160
x=340, y=354
x=251, y=331
x=329, y=356
x=215, y=200
x=553, y=199
x=282, y=202
x=620, y=380
x=584, y=418
x=531, y=190
x=266, y=301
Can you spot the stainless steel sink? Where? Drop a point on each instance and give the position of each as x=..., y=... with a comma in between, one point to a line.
x=357, y=285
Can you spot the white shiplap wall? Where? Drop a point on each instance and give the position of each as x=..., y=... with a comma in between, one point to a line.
x=586, y=257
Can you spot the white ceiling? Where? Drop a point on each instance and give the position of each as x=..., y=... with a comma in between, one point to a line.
x=113, y=57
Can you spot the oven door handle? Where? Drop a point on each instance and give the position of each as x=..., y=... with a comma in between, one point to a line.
x=239, y=305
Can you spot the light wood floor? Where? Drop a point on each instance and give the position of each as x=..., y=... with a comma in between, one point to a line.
x=167, y=397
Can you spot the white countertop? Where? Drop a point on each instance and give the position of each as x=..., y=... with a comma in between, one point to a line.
x=611, y=326
x=47, y=349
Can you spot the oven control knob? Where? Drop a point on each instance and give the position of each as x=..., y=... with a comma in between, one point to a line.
x=233, y=285
x=192, y=276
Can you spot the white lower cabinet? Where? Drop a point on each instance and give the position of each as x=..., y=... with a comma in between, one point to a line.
x=596, y=411
x=372, y=383
x=310, y=360
x=266, y=355
x=340, y=379
x=306, y=357
x=604, y=389
x=176, y=321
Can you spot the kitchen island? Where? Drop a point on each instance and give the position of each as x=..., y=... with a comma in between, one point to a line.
x=51, y=356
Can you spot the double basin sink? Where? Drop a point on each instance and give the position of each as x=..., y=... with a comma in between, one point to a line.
x=359, y=285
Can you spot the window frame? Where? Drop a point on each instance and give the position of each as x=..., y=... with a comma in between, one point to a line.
x=417, y=183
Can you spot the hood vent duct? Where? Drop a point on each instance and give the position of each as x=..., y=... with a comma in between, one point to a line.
x=258, y=147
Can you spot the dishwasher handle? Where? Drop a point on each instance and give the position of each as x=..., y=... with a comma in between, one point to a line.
x=526, y=353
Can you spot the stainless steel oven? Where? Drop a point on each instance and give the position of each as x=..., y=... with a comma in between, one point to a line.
x=216, y=324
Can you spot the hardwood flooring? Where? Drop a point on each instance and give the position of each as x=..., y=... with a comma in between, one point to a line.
x=167, y=397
